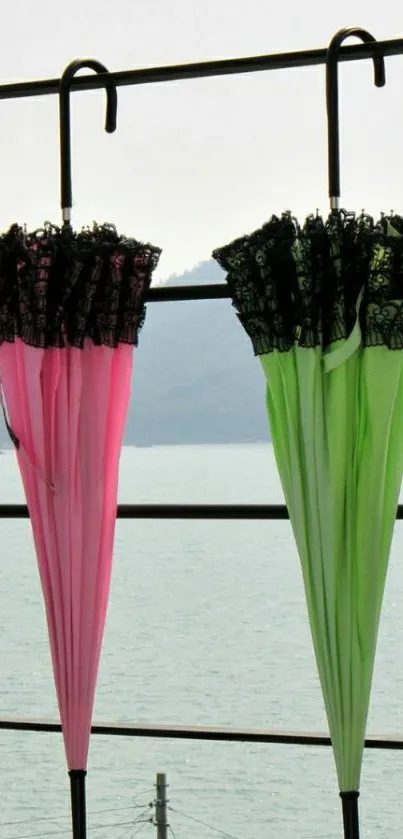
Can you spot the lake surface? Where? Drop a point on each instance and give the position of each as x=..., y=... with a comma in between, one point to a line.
x=207, y=625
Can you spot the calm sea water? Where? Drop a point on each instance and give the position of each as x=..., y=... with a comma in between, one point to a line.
x=206, y=625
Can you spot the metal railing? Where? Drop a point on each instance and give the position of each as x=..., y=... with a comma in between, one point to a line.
x=225, y=512
x=245, y=512
x=211, y=733
x=203, y=69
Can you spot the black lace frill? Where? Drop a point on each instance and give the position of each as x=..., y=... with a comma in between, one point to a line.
x=59, y=287
x=290, y=283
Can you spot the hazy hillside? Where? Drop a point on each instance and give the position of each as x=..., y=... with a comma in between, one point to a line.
x=196, y=379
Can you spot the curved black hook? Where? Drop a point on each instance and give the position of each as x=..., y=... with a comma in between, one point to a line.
x=332, y=102
x=65, y=126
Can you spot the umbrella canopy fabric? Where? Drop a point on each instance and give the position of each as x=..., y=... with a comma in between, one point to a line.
x=323, y=306
x=71, y=306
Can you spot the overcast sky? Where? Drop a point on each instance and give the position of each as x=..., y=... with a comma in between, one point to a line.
x=195, y=163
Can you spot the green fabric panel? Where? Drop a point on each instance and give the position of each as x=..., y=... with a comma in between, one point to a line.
x=338, y=442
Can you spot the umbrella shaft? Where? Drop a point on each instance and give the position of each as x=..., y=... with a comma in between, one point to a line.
x=78, y=806
x=350, y=815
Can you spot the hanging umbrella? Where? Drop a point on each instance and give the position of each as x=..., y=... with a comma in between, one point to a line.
x=323, y=306
x=71, y=306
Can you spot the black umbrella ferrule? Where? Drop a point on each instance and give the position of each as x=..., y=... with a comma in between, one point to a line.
x=351, y=822
x=78, y=805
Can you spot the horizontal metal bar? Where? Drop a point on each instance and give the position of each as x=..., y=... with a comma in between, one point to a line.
x=203, y=511
x=245, y=512
x=175, y=511
x=211, y=291
x=183, y=732
x=203, y=69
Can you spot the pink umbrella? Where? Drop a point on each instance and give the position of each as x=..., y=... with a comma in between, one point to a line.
x=71, y=306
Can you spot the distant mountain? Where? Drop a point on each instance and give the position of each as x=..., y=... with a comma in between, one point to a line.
x=196, y=379
x=195, y=376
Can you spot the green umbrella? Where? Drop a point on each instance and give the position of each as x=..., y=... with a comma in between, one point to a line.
x=323, y=306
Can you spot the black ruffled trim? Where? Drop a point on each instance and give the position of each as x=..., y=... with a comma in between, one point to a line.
x=59, y=287
x=291, y=283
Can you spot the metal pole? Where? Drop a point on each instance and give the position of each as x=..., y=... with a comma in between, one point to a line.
x=161, y=806
x=224, y=512
x=203, y=69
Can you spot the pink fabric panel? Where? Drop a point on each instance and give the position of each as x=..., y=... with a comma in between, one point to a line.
x=68, y=407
